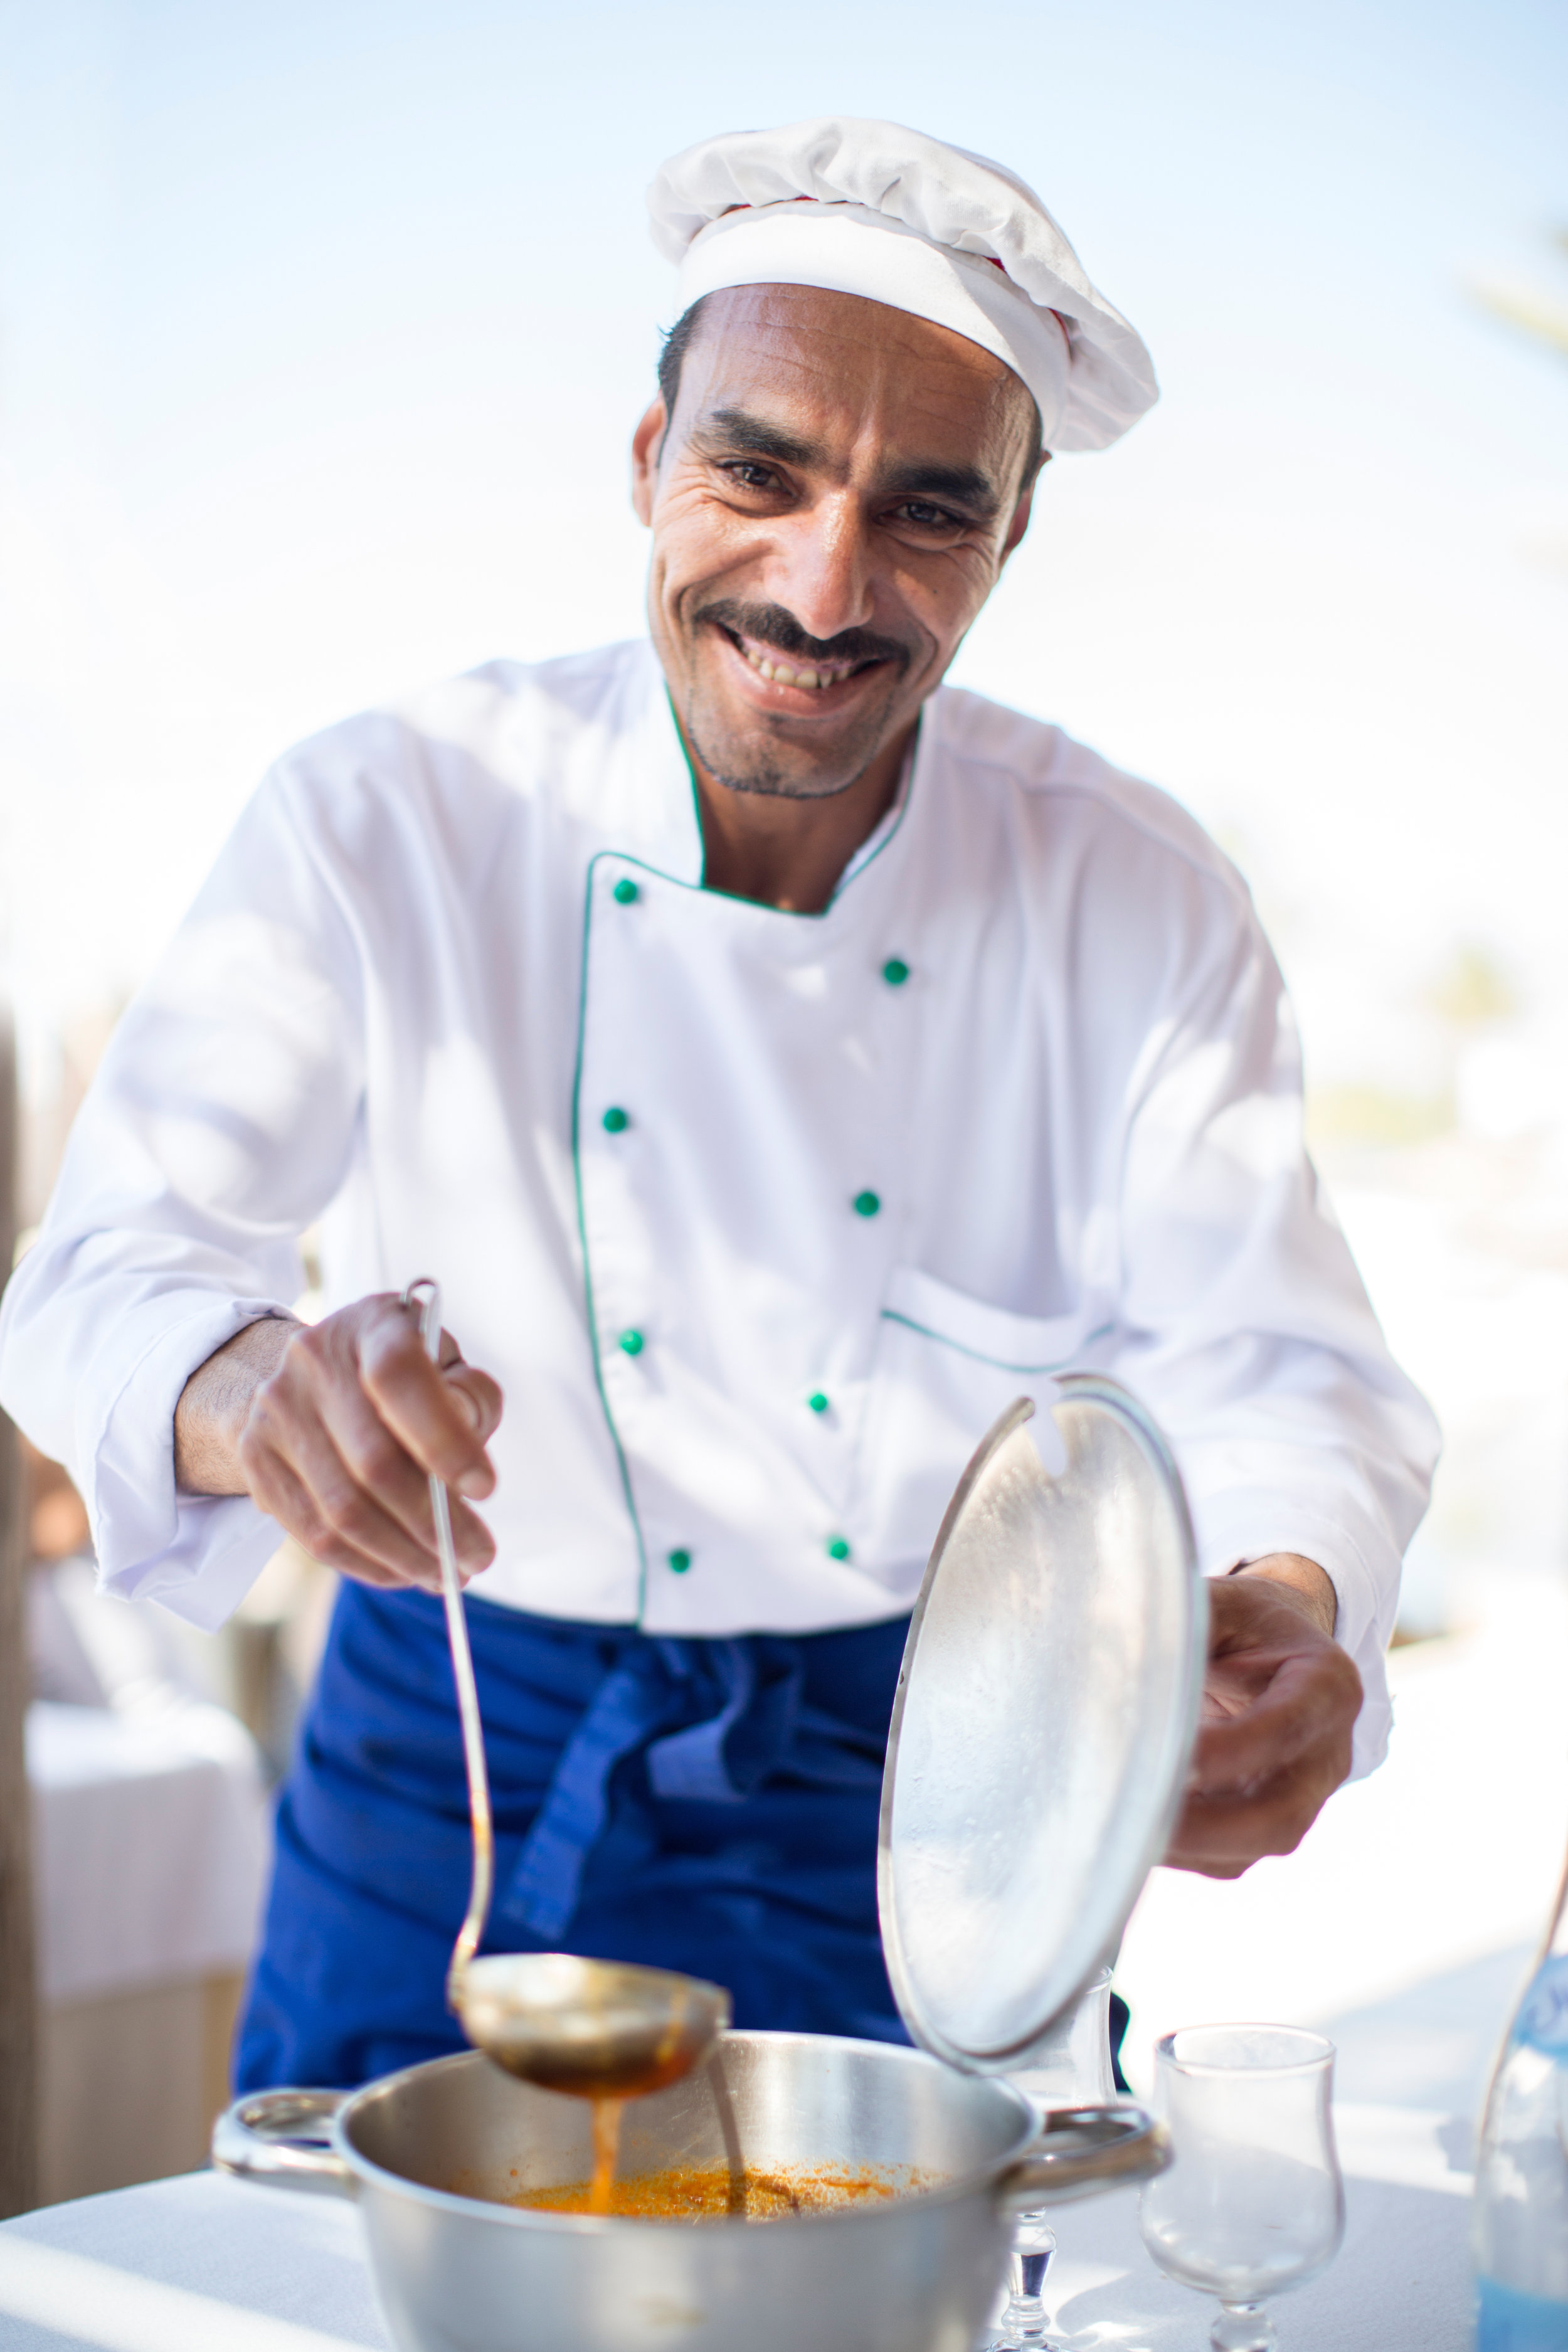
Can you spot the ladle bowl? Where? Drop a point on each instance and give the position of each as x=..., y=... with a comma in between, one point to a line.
x=598, y=2029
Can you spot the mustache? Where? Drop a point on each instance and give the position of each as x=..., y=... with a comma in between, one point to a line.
x=773, y=624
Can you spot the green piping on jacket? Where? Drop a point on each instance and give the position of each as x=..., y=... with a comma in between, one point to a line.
x=582, y=1233
x=890, y=1314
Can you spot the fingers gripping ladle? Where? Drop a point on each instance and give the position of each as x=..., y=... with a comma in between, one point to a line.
x=601, y=2029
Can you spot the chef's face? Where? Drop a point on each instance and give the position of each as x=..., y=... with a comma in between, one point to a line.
x=831, y=504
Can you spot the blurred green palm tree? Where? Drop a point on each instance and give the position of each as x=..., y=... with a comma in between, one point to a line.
x=1542, y=316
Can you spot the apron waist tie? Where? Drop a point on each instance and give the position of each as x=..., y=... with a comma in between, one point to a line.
x=712, y=1718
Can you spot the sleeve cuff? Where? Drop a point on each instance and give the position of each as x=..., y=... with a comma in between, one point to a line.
x=196, y=1554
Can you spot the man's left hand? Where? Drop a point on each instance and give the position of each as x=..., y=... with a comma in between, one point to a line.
x=1280, y=1699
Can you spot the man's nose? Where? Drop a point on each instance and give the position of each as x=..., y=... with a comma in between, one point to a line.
x=822, y=569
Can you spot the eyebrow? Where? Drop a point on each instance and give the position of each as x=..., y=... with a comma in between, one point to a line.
x=752, y=436
x=965, y=485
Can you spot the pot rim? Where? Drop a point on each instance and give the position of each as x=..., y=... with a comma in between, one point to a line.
x=950, y=2191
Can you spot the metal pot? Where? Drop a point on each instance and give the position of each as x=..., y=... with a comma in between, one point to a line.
x=424, y=2150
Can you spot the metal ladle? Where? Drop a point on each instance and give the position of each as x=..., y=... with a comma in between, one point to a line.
x=600, y=2029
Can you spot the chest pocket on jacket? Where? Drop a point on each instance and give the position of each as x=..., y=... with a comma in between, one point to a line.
x=946, y=1365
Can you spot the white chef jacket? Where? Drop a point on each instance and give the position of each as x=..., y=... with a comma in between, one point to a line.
x=760, y=1218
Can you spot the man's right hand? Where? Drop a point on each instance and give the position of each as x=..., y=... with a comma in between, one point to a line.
x=333, y=1428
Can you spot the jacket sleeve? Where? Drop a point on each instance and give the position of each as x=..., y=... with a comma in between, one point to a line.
x=219, y=1124
x=1246, y=1324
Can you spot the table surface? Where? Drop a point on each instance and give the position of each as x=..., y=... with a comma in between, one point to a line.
x=205, y=2263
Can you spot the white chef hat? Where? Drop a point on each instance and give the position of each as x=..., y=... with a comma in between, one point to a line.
x=873, y=209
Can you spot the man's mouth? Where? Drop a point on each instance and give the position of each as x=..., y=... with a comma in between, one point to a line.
x=815, y=676
x=781, y=656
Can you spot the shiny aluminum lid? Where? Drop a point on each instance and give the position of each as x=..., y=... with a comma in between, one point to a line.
x=1045, y=1711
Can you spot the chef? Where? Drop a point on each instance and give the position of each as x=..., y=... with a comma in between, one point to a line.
x=782, y=1061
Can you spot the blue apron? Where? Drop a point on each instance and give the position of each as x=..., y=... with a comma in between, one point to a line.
x=707, y=1805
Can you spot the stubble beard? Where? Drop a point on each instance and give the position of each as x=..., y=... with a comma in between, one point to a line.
x=754, y=754
x=750, y=761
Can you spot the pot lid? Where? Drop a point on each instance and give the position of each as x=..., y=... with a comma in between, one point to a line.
x=1045, y=1711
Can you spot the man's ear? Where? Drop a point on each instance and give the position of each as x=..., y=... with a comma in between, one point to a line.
x=645, y=443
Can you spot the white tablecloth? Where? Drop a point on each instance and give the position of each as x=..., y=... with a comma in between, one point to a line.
x=205, y=2263
x=151, y=1843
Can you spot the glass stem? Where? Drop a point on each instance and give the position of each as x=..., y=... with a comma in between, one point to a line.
x=1243, y=2328
x=1024, y=2326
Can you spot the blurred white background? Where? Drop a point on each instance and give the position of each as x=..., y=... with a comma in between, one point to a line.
x=322, y=329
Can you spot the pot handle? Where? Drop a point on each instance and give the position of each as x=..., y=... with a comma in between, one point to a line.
x=1082, y=2150
x=279, y=2138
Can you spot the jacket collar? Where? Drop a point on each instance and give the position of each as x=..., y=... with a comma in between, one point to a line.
x=649, y=810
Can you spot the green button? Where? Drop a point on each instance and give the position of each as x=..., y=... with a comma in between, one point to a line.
x=680, y=1562
x=836, y=1548
x=625, y=892
x=631, y=1343
x=895, y=972
x=616, y=1120
x=818, y=1402
x=867, y=1204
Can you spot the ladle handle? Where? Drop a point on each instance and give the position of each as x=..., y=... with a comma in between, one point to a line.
x=425, y=1297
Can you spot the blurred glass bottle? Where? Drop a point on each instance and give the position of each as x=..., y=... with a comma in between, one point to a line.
x=1521, y=2213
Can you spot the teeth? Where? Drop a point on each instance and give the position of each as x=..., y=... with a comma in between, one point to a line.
x=781, y=674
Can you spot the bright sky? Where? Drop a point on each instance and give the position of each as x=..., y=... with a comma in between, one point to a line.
x=324, y=325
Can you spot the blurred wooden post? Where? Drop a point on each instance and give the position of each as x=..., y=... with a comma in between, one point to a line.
x=18, y=2001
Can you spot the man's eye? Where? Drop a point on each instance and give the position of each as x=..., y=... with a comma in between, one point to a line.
x=749, y=477
x=925, y=516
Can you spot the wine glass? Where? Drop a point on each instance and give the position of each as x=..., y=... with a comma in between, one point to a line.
x=1073, y=2070
x=1252, y=2201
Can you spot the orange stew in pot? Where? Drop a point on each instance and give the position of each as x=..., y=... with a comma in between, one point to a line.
x=699, y=2192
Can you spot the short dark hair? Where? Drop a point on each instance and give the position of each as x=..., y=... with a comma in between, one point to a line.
x=672, y=356
x=672, y=353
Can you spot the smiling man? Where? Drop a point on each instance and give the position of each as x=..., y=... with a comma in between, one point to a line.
x=834, y=488
x=782, y=1060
